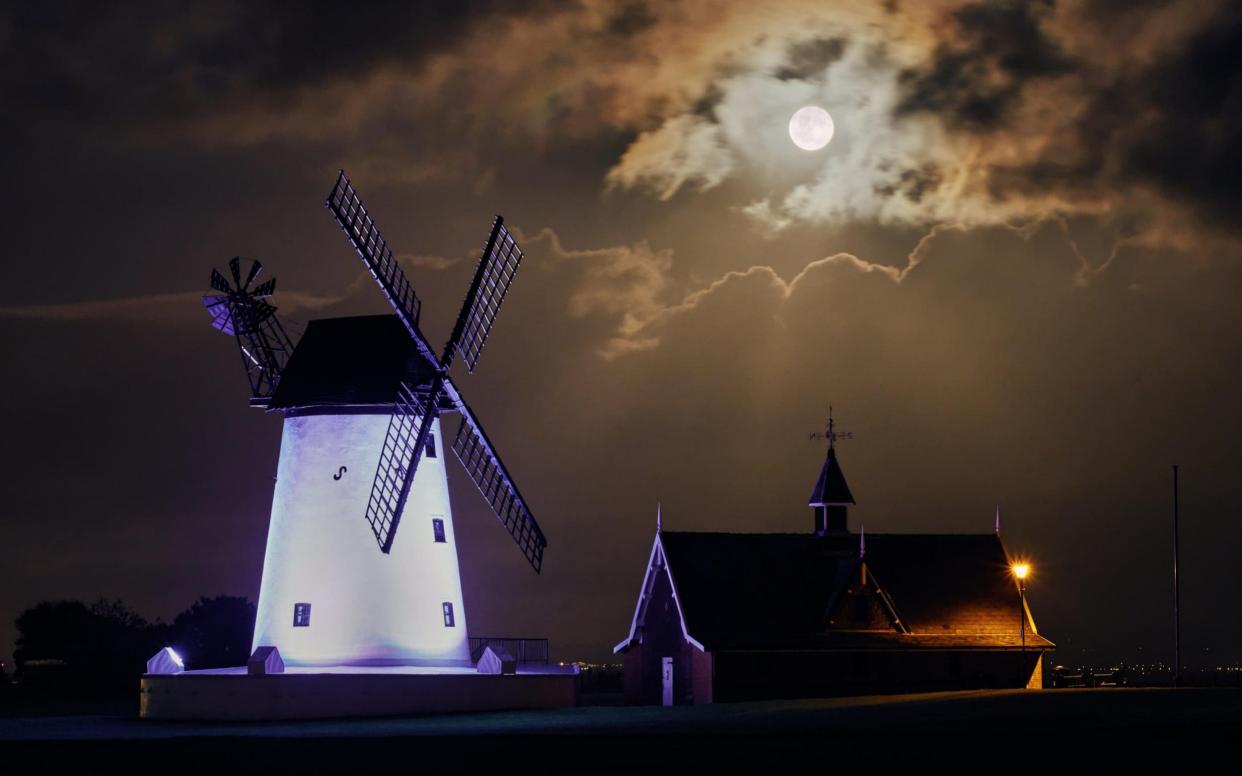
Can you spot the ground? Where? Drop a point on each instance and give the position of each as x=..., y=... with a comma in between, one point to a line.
x=1007, y=730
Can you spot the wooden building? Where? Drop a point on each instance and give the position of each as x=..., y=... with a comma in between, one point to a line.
x=733, y=616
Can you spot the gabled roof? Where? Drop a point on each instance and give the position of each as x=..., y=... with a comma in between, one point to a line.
x=350, y=362
x=830, y=488
x=741, y=589
x=773, y=591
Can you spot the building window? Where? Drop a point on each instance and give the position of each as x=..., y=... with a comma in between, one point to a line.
x=301, y=615
x=437, y=529
x=430, y=447
x=448, y=614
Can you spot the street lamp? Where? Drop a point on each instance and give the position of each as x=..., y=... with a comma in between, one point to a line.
x=1020, y=572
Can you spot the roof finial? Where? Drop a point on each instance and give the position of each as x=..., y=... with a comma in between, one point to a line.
x=862, y=541
x=658, y=526
x=998, y=519
x=831, y=433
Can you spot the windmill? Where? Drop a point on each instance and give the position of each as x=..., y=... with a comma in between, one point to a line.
x=244, y=313
x=360, y=395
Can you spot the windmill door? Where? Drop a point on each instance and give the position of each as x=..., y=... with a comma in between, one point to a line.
x=667, y=677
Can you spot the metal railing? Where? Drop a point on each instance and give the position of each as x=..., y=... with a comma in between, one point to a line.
x=522, y=650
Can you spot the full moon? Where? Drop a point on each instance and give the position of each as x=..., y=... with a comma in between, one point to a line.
x=811, y=128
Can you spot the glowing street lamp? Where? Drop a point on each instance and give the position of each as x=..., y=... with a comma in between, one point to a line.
x=1020, y=572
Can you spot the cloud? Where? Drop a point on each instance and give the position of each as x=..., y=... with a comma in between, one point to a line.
x=155, y=62
x=154, y=307
x=980, y=113
x=428, y=262
x=951, y=114
x=685, y=150
x=624, y=284
x=135, y=308
x=631, y=286
x=975, y=77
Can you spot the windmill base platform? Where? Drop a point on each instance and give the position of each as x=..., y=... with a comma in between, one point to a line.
x=349, y=691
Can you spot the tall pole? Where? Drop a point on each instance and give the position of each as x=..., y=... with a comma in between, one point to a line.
x=1177, y=615
x=1022, y=625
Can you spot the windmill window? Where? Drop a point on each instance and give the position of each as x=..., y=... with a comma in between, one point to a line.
x=430, y=447
x=448, y=614
x=437, y=529
x=301, y=615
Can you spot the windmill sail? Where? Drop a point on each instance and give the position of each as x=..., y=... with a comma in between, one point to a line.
x=412, y=413
x=497, y=267
x=347, y=208
x=479, y=458
x=403, y=446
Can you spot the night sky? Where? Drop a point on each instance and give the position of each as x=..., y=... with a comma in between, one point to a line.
x=1015, y=273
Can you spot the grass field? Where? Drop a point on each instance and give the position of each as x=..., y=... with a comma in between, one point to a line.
x=972, y=731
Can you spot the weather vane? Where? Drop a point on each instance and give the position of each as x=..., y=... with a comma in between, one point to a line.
x=831, y=434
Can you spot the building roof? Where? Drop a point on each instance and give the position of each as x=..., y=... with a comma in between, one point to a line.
x=774, y=591
x=350, y=362
x=830, y=488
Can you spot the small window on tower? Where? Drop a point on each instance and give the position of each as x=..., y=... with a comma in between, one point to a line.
x=437, y=529
x=301, y=615
x=430, y=448
x=448, y=614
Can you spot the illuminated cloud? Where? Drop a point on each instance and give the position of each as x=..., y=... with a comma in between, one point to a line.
x=684, y=150
x=965, y=112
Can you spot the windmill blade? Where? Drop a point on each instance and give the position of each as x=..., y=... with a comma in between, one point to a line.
x=221, y=313
x=219, y=283
x=264, y=289
x=403, y=447
x=489, y=475
x=364, y=235
x=235, y=269
x=255, y=268
x=497, y=267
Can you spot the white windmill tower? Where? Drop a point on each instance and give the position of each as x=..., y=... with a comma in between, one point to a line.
x=362, y=394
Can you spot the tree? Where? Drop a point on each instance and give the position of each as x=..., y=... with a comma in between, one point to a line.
x=214, y=632
x=67, y=647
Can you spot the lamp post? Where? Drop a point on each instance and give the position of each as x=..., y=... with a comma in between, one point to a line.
x=1020, y=572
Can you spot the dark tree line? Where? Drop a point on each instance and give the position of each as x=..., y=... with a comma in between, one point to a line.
x=74, y=649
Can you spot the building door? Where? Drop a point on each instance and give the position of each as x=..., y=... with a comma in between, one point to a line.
x=667, y=675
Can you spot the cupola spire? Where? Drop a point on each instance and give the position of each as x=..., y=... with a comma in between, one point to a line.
x=831, y=495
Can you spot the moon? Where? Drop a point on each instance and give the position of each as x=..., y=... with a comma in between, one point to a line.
x=811, y=128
